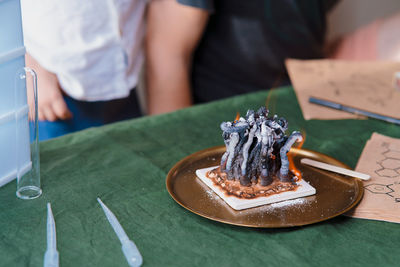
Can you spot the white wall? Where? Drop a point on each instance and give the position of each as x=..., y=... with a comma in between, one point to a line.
x=348, y=15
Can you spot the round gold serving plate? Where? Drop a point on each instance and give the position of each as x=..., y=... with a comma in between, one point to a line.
x=336, y=194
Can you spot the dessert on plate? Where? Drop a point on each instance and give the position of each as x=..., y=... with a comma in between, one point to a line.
x=255, y=170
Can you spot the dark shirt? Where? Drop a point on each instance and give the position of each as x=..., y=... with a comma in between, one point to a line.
x=246, y=43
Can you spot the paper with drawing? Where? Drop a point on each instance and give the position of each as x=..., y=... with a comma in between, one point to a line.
x=363, y=85
x=380, y=159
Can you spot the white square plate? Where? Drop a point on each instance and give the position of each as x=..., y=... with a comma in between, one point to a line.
x=239, y=204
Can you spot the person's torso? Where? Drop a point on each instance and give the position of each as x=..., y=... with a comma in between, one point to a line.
x=246, y=42
x=94, y=47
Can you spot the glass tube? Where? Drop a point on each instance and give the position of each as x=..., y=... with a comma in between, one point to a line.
x=28, y=164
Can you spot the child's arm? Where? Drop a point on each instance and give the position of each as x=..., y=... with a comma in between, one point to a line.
x=51, y=105
x=173, y=32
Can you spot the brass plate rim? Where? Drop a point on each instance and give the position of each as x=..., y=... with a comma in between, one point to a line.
x=171, y=172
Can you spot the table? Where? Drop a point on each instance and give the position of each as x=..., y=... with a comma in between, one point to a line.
x=126, y=165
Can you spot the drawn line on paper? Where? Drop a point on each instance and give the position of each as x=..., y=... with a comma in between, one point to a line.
x=390, y=165
x=391, y=190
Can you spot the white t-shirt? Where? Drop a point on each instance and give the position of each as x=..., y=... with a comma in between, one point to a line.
x=94, y=46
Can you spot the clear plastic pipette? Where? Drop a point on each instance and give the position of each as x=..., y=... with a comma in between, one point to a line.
x=129, y=248
x=51, y=255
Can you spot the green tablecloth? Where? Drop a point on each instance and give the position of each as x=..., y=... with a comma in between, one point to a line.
x=126, y=165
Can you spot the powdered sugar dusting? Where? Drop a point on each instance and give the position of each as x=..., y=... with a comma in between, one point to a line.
x=288, y=203
x=211, y=195
x=300, y=204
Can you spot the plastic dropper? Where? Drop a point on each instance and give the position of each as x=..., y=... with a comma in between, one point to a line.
x=129, y=248
x=51, y=256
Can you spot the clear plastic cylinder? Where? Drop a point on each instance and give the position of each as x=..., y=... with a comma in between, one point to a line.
x=27, y=143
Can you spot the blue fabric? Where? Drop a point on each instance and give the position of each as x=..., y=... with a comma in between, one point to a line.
x=90, y=114
x=203, y=4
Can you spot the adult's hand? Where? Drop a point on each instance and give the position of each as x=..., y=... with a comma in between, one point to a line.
x=51, y=104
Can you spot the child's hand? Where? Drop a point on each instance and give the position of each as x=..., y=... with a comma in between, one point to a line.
x=51, y=104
